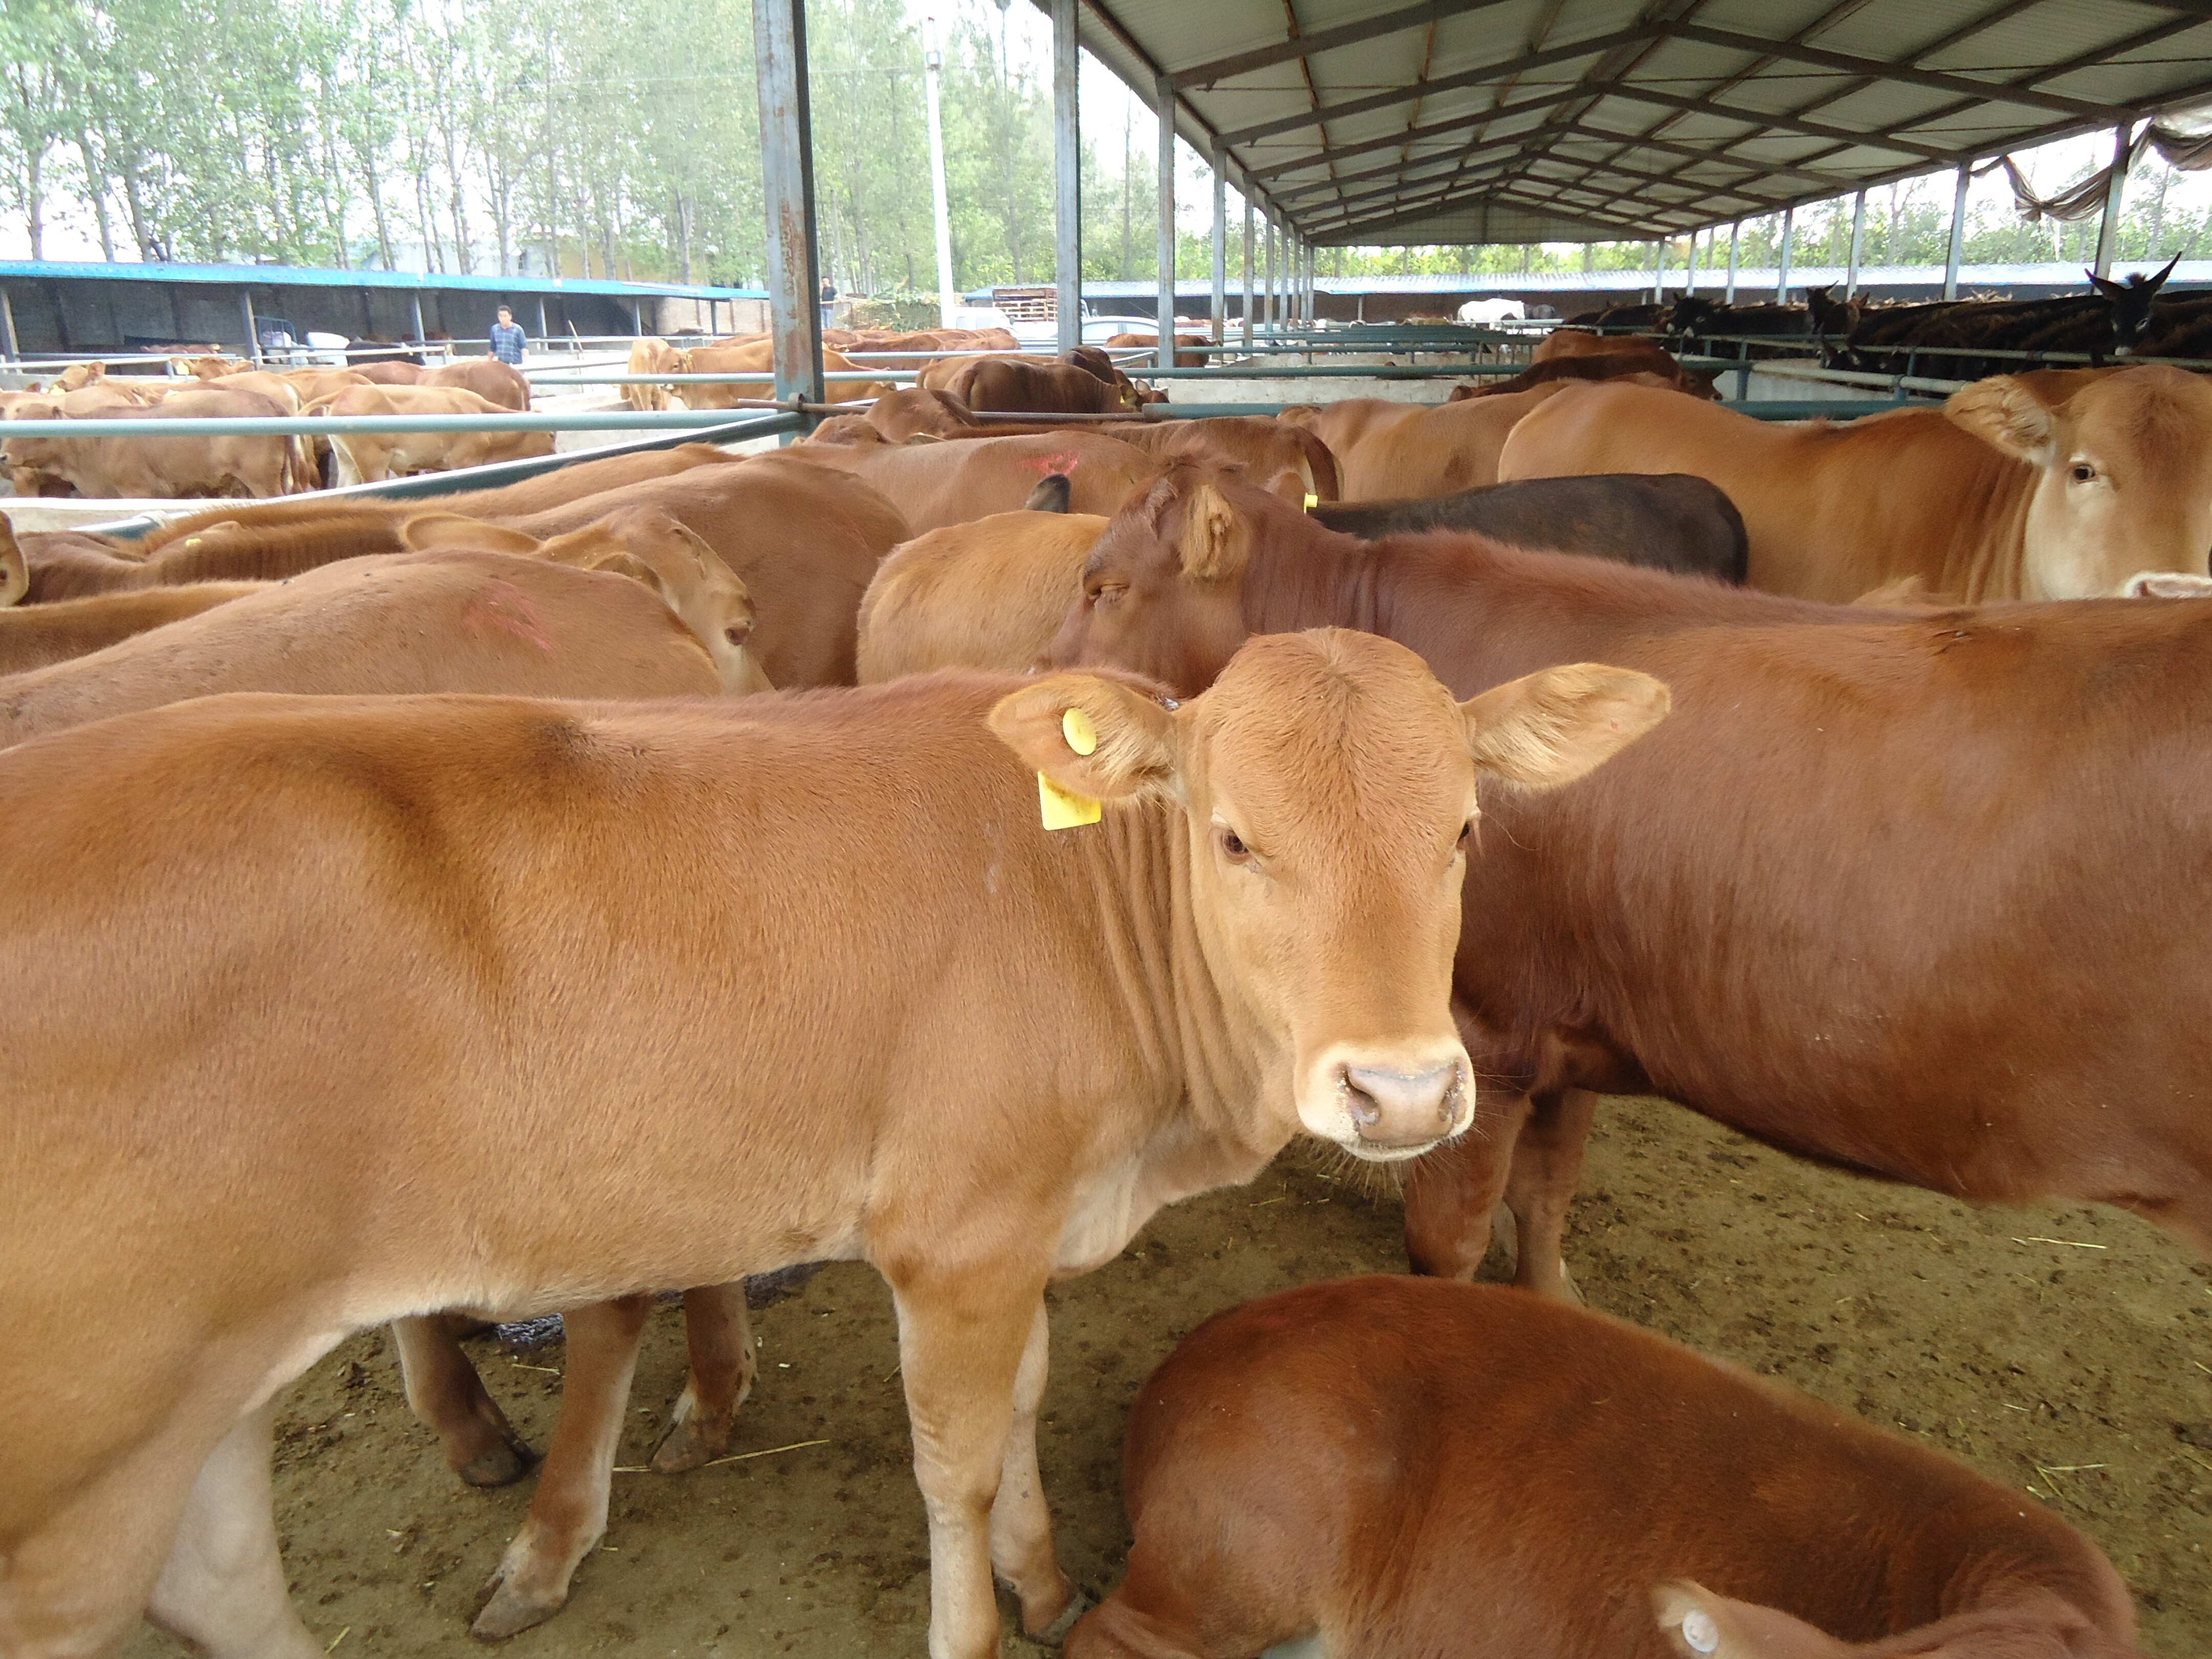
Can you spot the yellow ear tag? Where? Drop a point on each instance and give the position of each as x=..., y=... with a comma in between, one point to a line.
x=1312, y=501
x=1063, y=809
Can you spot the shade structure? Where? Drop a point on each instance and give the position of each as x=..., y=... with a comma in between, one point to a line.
x=1466, y=121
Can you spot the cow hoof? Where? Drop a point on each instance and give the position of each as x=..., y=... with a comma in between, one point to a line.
x=502, y=1465
x=1056, y=1632
x=508, y=1611
x=689, y=1445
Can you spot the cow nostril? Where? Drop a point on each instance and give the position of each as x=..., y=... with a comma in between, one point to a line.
x=1366, y=1111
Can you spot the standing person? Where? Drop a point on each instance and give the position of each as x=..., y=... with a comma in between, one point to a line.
x=829, y=299
x=507, y=338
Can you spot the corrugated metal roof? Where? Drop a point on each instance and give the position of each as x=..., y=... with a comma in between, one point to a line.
x=306, y=277
x=1380, y=121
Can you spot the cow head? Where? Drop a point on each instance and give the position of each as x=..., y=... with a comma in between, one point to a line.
x=2125, y=472
x=1326, y=784
x=2131, y=303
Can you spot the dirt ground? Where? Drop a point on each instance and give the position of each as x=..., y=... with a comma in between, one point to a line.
x=2081, y=1374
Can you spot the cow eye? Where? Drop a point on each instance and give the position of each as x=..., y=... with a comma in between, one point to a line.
x=2083, y=472
x=1107, y=594
x=1233, y=847
x=1466, y=833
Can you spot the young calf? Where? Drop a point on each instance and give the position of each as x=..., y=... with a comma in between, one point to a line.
x=1404, y=1466
x=360, y=1009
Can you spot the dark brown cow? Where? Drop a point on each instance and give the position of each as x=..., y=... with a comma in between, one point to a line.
x=756, y=983
x=1604, y=366
x=1661, y=521
x=1985, y=818
x=1400, y=1466
x=937, y=485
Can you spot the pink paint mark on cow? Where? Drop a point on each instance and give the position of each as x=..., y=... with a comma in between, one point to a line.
x=1066, y=462
x=502, y=605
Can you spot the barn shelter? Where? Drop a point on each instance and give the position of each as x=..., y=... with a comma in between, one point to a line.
x=87, y=309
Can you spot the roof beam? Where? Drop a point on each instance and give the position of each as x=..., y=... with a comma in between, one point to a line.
x=1396, y=191
x=1707, y=191
x=1421, y=135
x=1505, y=69
x=1306, y=45
x=1965, y=86
x=1421, y=210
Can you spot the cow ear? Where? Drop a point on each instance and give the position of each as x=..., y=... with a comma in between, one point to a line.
x=2004, y=413
x=1550, y=727
x=427, y=531
x=1101, y=738
x=15, y=573
x=1217, y=544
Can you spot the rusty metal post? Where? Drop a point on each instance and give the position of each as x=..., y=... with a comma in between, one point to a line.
x=788, y=192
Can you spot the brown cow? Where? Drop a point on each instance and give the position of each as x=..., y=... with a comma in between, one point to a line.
x=1901, y=791
x=990, y=593
x=757, y=360
x=314, y=385
x=937, y=484
x=370, y=458
x=1587, y=343
x=1438, y=450
x=160, y=469
x=805, y=540
x=535, y=622
x=653, y=357
x=1005, y=383
x=391, y=373
x=1999, y=495
x=1283, y=459
x=1398, y=1465
x=709, y=1081
x=1182, y=359
x=500, y=383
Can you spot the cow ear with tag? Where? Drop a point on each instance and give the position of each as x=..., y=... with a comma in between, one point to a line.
x=2005, y=413
x=1552, y=726
x=1090, y=740
x=1217, y=544
x=432, y=532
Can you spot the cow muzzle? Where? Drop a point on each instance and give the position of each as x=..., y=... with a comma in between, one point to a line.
x=1385, y=1108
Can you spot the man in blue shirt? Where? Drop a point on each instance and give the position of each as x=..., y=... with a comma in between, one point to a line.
x=507, y=338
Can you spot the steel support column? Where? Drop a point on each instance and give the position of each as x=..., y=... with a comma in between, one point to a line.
x=252, y=329
x=1690, y=277
x=1781, y=275
x=1958, y=231
x=1164, y=92
x=1220, y=329
x=1067, y=175
x=1249, y=235
x=10, y=350
x=1735, y=234
x=1858, y=246
x=1659, y=270
x=2108, y=227
x=787, y=193
x=1268, y=299
x=415, y=303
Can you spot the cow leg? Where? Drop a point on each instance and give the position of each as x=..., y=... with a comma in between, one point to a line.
x=1021, y=1521
x=223, y=1588
x=963, y=1335
x=349, y=465
x=1453, y=1193
x=1547, y=1167
x=568, y=1511
x=445, y=1393
x=720, y=1341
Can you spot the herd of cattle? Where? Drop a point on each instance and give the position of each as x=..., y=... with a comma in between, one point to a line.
x=1940, y=339
x=1130, y=803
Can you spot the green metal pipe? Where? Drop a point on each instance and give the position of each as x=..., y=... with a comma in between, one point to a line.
x=273, y=426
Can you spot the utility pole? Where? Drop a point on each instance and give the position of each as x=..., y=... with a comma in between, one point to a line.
x=932, y=66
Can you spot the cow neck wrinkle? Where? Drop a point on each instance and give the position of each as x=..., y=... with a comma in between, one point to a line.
x=1324, y=579
x=1198, y=1041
